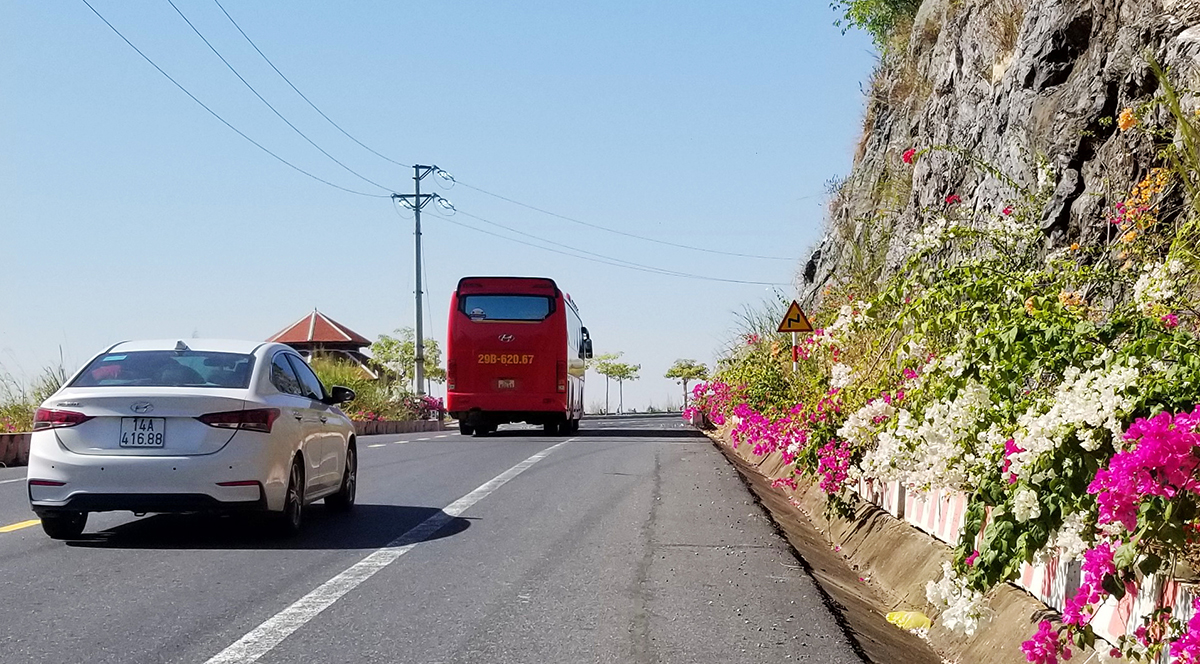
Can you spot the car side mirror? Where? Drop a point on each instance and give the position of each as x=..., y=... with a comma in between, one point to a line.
x=587, y=349
x=340, y=395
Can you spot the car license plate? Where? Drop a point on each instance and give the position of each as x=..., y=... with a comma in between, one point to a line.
x=506, y=383
x=143, y=431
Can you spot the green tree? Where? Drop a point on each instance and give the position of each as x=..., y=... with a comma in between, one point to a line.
x=605, y=366
x=622, y=372
x=398, y=354
x=685, y=371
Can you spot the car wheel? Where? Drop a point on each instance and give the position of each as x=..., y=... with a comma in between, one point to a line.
x=343, y=500
x=64, y=525
x=292, y=517
x=464, y=429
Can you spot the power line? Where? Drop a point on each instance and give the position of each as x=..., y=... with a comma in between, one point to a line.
x=592, y=256
x=569, y=247
x=615, y=231
x=483, y=191
x=268, y=104
x=223, y=121
x=302, y=95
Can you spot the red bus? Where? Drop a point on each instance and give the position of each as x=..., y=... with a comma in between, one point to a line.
x=515, y=353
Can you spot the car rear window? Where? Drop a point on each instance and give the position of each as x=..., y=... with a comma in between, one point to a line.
x=507, y=307
x=168, y=368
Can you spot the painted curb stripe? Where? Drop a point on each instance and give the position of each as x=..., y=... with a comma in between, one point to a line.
x=262, y=639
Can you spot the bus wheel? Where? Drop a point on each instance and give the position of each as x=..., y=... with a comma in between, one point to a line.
x=481, y=431
x=464, y=429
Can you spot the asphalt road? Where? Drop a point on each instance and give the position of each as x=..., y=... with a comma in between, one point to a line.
x=631, y=541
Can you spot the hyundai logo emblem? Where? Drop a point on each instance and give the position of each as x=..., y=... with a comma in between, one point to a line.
x=142, y=407
x=506, y=338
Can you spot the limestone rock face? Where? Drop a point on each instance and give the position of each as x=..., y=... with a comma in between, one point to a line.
x=1029, y=88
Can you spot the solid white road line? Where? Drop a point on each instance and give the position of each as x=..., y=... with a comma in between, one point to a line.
x=262, y=639
x=377, y=445
x=19, y=479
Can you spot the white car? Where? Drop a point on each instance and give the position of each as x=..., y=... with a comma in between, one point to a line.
x=187, y=426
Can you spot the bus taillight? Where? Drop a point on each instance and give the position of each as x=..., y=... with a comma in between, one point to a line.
x=451, y=374
x=562, y=375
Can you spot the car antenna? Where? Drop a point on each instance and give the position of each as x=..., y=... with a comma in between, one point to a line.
x=181, y=347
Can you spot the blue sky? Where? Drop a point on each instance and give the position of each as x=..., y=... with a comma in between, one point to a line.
x=129, y=212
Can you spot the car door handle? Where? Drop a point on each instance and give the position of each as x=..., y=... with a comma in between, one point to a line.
x=324, y=419
x=299, y=417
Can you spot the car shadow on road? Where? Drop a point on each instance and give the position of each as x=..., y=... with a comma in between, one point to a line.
x=366, y=527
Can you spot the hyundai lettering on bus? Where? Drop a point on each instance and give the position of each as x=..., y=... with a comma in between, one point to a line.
x=515, y=353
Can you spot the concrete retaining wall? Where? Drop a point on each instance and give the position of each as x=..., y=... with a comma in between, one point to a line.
x=14, y=449
x=897, y=559
x=372, y=428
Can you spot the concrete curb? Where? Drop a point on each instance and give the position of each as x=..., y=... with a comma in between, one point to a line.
x=897, y=560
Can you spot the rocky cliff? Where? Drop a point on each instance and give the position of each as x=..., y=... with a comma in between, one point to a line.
x=1008, y=103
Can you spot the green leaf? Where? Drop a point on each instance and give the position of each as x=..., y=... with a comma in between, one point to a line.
x=1114, y=586
x=1125, y=556
x=1150, y=564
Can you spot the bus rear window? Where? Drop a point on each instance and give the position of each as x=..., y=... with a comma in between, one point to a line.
x=507, y=307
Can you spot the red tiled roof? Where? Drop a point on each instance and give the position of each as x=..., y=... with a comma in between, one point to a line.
x=319, y=328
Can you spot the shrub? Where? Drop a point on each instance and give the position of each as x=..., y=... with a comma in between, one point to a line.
x=880, y=18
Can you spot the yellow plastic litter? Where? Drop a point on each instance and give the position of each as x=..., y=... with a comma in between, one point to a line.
x=909, y=619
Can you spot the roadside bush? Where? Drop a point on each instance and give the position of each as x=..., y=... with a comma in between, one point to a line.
x=1059, y=392
x=880, y=18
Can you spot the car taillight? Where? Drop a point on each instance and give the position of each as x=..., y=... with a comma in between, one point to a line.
x=451, y=374
x=46, y=483
x=562, y=375
x=46, y=418
x=254, y=419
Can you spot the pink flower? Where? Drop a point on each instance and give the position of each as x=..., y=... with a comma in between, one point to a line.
x=1008, y=211
x=970, y=560
x=909, y=155
x=1170, y=321
x=953, y=199
x=1045, y=647
x=1186, y=649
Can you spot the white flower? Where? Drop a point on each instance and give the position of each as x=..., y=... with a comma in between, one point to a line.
x=960, y=608
x=1085, y=400
x=1156, y=285
x=1025, y=505
x=954, y=364
x=841, y=377
x=937, y=451
x=859, y=428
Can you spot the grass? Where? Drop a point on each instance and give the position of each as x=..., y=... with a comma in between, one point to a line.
x=19, y=400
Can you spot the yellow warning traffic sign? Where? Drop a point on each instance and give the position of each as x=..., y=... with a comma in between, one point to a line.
x=795, y=320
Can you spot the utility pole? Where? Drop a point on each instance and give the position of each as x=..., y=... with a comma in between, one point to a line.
x=416, y=201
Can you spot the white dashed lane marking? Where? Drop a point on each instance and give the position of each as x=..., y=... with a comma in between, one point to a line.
x=262, y=639
x=377, y=445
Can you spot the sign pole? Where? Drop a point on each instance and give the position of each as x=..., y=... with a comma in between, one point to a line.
x=795, y=354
